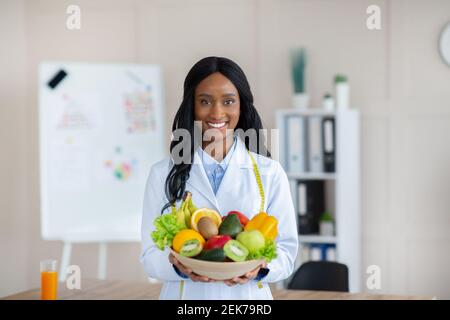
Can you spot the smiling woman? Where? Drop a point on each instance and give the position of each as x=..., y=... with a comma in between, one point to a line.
x=217, y=93
x=221, y=172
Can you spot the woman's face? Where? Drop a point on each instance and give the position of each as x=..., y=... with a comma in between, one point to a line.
x=217, y=105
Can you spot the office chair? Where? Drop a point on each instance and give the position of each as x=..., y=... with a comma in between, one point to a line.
x=320, y=275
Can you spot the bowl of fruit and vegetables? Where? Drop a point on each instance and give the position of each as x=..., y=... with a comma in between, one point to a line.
x=217, y=247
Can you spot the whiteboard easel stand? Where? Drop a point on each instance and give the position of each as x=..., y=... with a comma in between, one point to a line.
x=101, y=262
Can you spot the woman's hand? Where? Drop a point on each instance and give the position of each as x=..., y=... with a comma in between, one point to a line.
x=247, y=277
x=193, y=276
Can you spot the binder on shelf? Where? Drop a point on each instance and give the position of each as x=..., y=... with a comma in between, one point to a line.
x=311, y=204
x=315, y=153
x=328, y=144
x=296, y=144
x=305, y=219
x=301, y=198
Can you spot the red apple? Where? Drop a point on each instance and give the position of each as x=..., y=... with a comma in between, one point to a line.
x=216, y=242
x=242, y=218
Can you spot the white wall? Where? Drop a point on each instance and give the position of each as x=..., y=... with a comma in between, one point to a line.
x=398, y=82
x=15, y=210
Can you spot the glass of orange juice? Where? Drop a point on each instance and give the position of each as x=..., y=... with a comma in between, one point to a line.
x=49, y=280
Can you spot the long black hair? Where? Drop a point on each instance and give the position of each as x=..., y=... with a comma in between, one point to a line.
x=184, y=118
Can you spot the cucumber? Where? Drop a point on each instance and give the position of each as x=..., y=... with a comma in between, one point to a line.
x=217, y=255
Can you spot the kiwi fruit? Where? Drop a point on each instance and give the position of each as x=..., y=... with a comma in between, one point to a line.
x=191, y=248
x=235, y=250
x=207, y=227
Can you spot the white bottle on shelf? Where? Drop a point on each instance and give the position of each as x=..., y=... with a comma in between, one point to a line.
x=328, y=102
x=342, y=88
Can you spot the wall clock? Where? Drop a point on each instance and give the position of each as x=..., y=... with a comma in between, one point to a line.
x=444, y=44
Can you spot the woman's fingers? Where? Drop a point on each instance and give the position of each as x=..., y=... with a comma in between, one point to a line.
x=245, y=278
x=198, y=278
x=187, y=271
x=236, y=280
x=253, y=273
x=193, y=276
x=229, y=283
x=241, y=280
x=183, y=269
x=179, y=265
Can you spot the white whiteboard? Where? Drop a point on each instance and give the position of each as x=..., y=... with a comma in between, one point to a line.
x=101, y=129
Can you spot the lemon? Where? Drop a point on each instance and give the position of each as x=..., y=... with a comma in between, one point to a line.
x=205, y=212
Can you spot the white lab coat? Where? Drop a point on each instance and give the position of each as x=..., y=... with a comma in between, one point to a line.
x=237, y=191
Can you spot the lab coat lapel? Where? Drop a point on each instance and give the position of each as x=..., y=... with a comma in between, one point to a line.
x=199, y=181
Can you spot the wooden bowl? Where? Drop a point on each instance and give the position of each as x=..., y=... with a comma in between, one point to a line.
x=218, y=270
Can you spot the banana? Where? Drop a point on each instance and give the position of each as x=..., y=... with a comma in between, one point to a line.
x=185, y=211
x=192, y=207
x=187, y=216
x=180, y=215
x=189, y=208
x=174, y=209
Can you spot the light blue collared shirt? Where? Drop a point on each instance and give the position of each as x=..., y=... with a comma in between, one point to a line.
x=215, y=170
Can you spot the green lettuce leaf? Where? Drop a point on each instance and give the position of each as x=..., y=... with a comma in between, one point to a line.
x=166, y=229
x=268, y=252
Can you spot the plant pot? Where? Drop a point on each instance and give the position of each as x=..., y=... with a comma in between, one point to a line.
x=342, y=95
x=326, y=228
x=300, y=100
x=328, y=104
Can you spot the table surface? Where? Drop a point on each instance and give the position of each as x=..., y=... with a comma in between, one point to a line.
x=125, y=290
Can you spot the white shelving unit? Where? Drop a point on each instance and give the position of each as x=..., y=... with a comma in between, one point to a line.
x=312, y=176
x=345, y=186
x=317, y=239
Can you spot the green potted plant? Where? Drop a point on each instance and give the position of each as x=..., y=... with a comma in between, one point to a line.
x=298, y=68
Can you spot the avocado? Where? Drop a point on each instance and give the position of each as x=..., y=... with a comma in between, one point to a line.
x=216, y=254
x=230, y=226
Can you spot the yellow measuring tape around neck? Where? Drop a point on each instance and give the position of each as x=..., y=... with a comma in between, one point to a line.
x=258, y=181
x=261, y=192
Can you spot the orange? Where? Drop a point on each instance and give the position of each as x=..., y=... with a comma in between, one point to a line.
x=205, y=212
x=184, y=235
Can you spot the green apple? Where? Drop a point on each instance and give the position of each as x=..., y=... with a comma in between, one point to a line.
x=253, y=240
